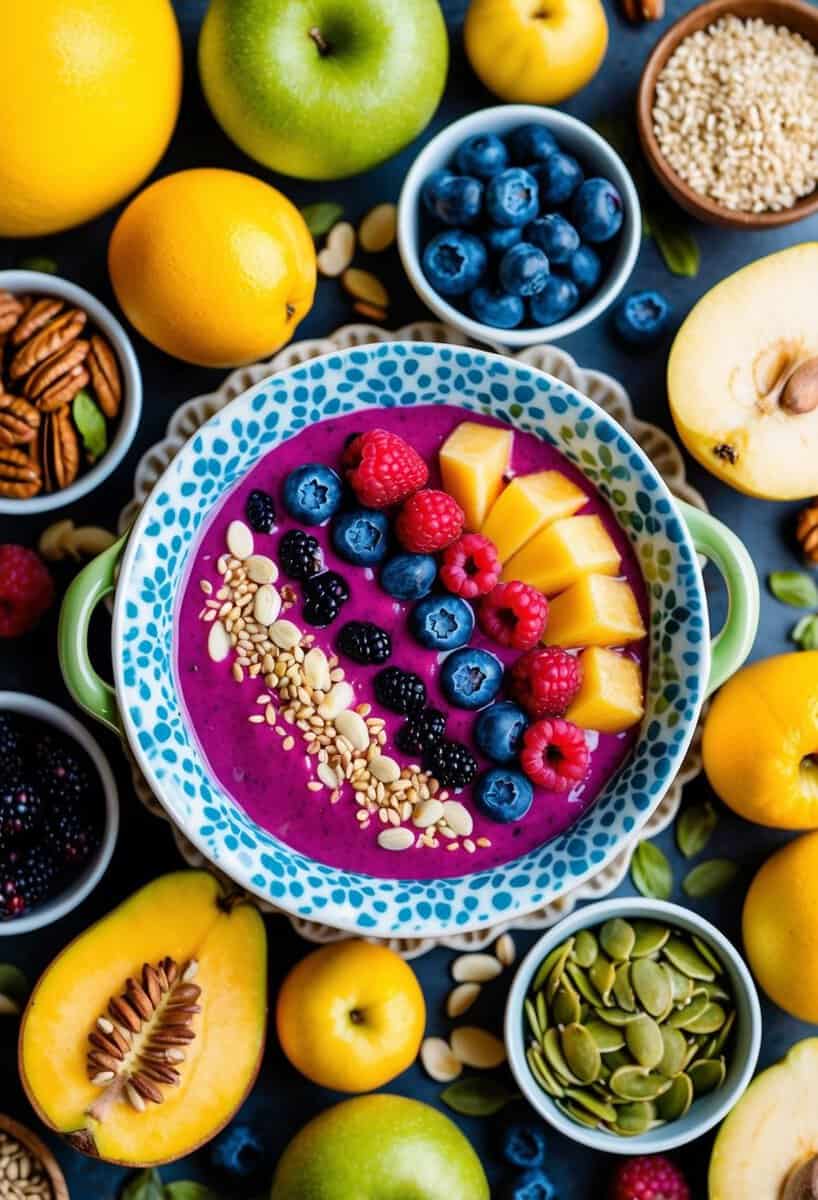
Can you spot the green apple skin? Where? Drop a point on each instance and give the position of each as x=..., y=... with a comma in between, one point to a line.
x=380, y=1147
x=323, y=114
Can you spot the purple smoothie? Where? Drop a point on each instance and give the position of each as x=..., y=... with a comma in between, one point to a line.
x=247, y=759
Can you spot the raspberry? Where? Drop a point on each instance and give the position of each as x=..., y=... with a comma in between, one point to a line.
x=470, y=566
x=514, y=614
x=382, y=468
x=429, y=521
x=545, y=681
x=555, y=754
x=649, y=1178
x=26, y=590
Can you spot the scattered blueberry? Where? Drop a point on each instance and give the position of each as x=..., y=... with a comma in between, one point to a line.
x=555, y=236
x=312, y=493
x=512, y=197
x=532, y=143
x=422, y=731
x=454, y=262
x=558, y=299
x=503, y=795
x=584, y=269
x=364, y=642
x=530, y=1185
x=523, y=270
x=452, y=764
x=482, y=155
x=260, y=511
x=524, y=1145
x=454, y=199
x=409, y=576
x=500, y=309
x=323, y=596
x=558, y=178
x=400, y=691
x=470, y=677
x=361, y=536
x=642, y=317
x=239, y=1152
x=498, y=731
x=442, y=622
x=598, y=211
x=299, y=554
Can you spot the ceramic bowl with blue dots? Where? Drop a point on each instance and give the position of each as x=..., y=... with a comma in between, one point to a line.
x=147, y=709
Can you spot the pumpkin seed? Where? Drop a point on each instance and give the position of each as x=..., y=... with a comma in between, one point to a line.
x=674, y=1052
x=714, y=991
x=681, y=986
x=533, y=1023
x=651, y=985
x=577, y=1114
x=650, y=938
x=651, y=872
x=586, y=948
x=607, y=1037
x=709, y=1021
x=565, y=1006
x=555, y=978
x=616, y=1016
x=707, y=1074
x=603, y=976
x=676, y=1100
x=638, y=1083
x=619, y=1058
x=617, y=938
x=687, y=960
x=720, y=1040
x=597, y=1107
x=708, y=954
x=644, y=1040
x=622, y=989
x=581, y=1052
x=682, y=1017
x=542, y=1072
x=634, y=1118
x=583, y=984
x=552, y=1048
x=542, y=1012
x=548, y=963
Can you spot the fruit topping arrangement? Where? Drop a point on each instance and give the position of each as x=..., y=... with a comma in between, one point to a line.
x=517, y=231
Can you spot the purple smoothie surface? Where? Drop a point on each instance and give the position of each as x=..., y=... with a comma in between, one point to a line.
x=270, y=783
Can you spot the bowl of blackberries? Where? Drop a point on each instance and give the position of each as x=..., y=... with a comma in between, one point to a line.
x=518, y=225
x=59, y=813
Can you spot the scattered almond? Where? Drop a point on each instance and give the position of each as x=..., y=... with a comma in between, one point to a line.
x=64, y=539
x=338, y=251
x=363, y=285
x=384, y=768
x=316, y=669
x=239, y=540
x=461, y=998
x=218, y=642
x=339, y=698
x=377, y=230
x=371, y=311
x=477, y=1048
x=261, y=569
x=284, y=634
x=505, y=949
x=438, y=1061
x=266, y=604
x=396, y=838
x=458, y=818
x=352, y=726
x=426, y=813
x=476, y=968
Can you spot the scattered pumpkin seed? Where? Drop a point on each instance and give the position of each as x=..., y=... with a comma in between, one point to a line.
x=695, y=827
x=650, y=871
x=709, y=878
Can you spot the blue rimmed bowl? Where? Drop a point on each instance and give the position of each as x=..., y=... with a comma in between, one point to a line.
x=145, y=706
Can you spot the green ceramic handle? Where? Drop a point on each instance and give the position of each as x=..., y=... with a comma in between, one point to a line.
x=91, y=586
x=731, y=558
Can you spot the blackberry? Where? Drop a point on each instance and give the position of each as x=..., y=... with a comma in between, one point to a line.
x=401, y=691
x=27, y=876
x=10, y=738
x=300, y=555
x=421, y=732
x=323, y=596
x=59, y=775
x=261, y=511
x=452, y=764
x=70, y=835
x=364, y=642
x=21, y=810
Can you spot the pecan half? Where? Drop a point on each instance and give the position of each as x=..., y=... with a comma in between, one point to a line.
x=19, y=421
x=19, y=475
x=57, y=380
x=10, y=311
x=39, y=313
x=59, y=333
x=59, y=450
x=105, y=376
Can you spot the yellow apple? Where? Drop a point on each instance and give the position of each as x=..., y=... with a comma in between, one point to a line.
x=535, y=51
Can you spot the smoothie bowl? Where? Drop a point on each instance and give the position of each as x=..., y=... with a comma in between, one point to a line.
x=325, y=673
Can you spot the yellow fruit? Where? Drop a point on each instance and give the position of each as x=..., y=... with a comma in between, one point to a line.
x=780, y=926
x=610, y=698
x=214, y=267
x=473, y=460
x=595, y=611
x=759, y=739
x=526, y=505
x=729, y=370
x=351, y=1016
x=527, y=52
x=562, y=552
x=89, y=91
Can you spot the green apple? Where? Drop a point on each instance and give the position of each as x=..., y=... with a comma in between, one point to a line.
x=380, y=1147
x=321, y=89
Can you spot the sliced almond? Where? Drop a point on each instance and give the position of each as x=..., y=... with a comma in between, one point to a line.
x=477, y=1048
x=376, y=231
x=426, y=813
x=461, y=998
x=458, y=818
x=327, y=775
x=352, y=726
x=338, y=699
x=239, y=540
x=363, y=285
x=261, y=569
x=218, y=642
x=266, y=605
x=396, y=838
x=505, y=949
x=338, y=251
x=316, y=669
x=475, y=968
x=384, y=768
x=438, y=1061
x=284, y=634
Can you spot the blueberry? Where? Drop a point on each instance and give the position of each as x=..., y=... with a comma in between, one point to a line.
x=454, y=262
x=471, y=678
x=482, y=155
x=598, y=211
x=532, y=143
x=503, y=795
x=555, y=236
x=442, y=622
x=499, y=238
x=409, y=576
x=312, y=493
x=500, y=309
x=512, y=197
x=523, y=270
x=453, y=199
x=498, y=731
x=585, y=269
x=558, y=299
x=361, y=536
x=239, y=1152
x=524, y=1145
x=529, y=1185
x=558, y=178
x=642, y=317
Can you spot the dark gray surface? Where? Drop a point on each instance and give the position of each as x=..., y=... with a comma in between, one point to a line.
x=281, y=1101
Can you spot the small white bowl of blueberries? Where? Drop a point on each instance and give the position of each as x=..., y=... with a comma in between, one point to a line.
x=518, y=225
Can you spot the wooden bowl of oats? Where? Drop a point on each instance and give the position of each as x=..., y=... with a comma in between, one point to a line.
x=727, y=112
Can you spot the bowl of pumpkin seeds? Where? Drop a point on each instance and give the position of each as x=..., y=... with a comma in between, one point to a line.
x=633, y=1026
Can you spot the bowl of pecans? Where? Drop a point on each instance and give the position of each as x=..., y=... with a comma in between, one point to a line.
x=70, y=392
x=727, y=112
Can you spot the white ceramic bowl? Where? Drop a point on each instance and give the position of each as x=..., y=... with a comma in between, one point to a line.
x=131, y=408
x=705, y=1112
x=596, y=156
x=35, y=709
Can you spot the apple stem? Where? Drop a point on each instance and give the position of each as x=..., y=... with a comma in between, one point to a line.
x=318, y=37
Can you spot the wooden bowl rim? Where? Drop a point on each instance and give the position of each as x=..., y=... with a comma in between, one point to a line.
x=26, y=1137
x=704, y=15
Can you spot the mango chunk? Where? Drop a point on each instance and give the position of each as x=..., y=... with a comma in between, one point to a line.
x=610, y=698
x=473, y=460
x=526, y=505
x=562, y=552
x=595, y=611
